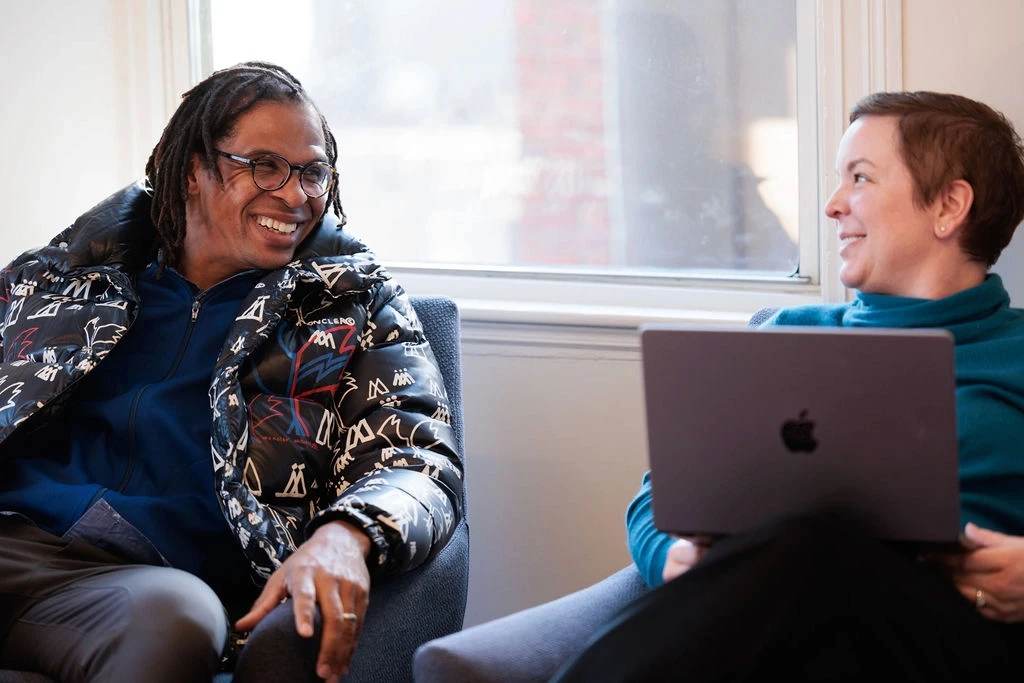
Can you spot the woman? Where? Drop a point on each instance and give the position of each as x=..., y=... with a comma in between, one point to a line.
x=931, y=189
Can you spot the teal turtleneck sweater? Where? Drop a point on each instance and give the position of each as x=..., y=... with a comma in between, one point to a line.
x=989, y=337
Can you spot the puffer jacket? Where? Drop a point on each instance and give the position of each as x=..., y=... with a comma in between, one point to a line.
x=326, y=402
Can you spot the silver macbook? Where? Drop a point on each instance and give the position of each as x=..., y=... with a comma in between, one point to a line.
x=749, y=425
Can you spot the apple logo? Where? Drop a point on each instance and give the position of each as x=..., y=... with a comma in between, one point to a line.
x=798, y=434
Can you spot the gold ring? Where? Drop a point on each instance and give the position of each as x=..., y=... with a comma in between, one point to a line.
x=350, y=616
x=979, y=598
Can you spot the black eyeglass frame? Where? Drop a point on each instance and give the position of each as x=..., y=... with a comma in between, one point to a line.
x=251, y=163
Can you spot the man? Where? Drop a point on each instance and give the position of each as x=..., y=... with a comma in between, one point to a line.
x=332, y=459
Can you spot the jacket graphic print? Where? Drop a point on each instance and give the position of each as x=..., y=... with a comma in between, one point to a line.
x=325, y=404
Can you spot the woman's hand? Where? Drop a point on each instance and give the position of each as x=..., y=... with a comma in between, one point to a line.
x=328, y=570
x=994, y=566
x=682, y=555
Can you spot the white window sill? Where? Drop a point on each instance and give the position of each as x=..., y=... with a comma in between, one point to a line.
x=614, y=305
x=549, y=318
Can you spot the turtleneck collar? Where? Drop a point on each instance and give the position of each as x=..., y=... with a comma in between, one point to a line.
x=965, y=314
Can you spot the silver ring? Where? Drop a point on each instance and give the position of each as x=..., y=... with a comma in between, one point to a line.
x=979, y=598
x=350, y=616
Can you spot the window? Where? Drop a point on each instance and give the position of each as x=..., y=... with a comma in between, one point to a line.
x=534, y=149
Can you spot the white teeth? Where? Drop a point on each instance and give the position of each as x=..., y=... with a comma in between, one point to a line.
x=277, y=226
x=852, y=238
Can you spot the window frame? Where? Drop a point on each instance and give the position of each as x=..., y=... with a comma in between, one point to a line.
x=857, y=50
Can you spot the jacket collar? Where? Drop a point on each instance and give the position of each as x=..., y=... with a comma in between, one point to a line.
x=119, y=232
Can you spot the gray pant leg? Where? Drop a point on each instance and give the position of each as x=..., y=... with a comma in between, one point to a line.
x=134, y=622
x=276, y=652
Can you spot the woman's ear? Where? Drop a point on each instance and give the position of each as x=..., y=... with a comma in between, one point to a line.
x=954, y=204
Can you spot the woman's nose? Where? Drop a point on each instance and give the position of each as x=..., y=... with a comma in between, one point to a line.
x=836, y=205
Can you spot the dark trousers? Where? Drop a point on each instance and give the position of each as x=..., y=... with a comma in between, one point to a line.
x=807, y=600
x=78, y=613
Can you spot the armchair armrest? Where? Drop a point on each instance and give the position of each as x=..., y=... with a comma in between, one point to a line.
x=530, y=645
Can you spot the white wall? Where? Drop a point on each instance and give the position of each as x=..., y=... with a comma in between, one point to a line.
x=555, y=452
x=975, y=49
x=62, y=110
x=554, y=426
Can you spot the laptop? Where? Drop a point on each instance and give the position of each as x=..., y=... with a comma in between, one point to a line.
x=749, y=425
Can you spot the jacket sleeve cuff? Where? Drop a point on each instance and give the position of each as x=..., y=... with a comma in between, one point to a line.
x=376, y=560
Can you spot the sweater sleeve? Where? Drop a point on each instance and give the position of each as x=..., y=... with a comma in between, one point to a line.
x=647, y=545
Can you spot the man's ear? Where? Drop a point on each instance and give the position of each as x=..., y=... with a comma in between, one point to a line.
x=955, y=203
x=195, y=167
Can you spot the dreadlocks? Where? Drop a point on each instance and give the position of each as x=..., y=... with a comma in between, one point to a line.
x=207, y=114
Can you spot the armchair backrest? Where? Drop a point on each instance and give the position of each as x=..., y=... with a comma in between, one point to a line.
x=439, y=316
x=761, y=315
x=428, y=602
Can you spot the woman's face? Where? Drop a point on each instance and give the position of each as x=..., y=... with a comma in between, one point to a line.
x=887, y=243
x=233, y=225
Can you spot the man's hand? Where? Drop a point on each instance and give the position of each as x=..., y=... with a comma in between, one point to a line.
x=329, y=569
x=991, y=573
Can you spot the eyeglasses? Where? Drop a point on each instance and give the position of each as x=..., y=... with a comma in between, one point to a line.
x=271, y=171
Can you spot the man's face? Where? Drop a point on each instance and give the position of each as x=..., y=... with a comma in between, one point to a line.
x=233, y=225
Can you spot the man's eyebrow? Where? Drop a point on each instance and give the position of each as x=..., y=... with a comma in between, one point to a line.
x=262, y=152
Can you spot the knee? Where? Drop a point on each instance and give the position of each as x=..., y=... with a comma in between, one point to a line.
x=275, y=650
x=181, y=597
x=163, y=624
x=185, y=613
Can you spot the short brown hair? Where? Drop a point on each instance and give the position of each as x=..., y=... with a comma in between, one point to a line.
x=946, y=137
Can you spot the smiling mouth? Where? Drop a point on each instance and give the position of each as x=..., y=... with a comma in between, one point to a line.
x=277, y=226
x=850, y=239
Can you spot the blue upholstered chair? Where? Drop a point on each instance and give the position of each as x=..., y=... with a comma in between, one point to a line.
x=428, y=602
x=533, y=644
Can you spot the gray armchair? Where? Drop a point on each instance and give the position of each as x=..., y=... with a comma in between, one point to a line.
x=428, y=602
x=533, y=644
x=530, y=645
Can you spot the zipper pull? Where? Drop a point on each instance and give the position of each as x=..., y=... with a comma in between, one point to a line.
x=195, y=310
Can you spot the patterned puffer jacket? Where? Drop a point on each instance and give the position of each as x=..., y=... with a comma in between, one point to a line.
x=326, y=402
